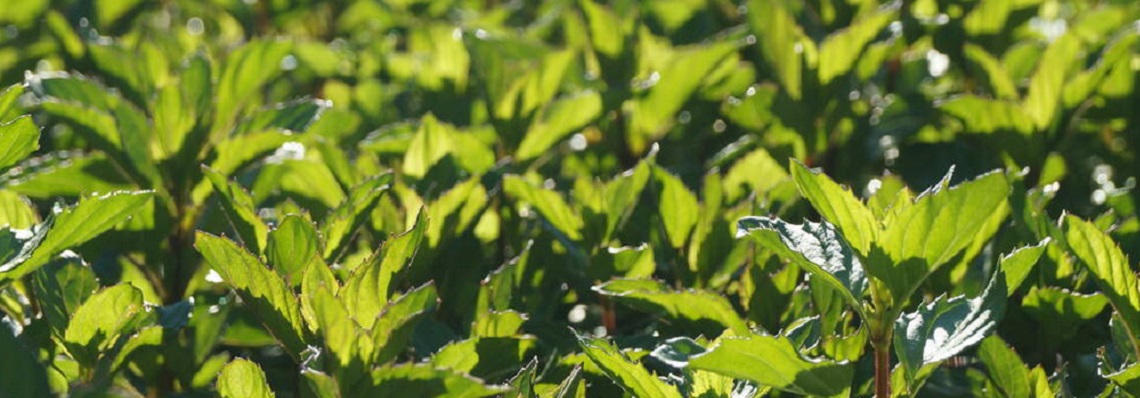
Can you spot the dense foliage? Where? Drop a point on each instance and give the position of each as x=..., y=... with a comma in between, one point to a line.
x=667, y=198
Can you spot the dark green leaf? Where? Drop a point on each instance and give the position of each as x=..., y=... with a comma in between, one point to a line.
x=693, y=305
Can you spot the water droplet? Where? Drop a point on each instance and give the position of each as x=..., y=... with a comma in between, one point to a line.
x=195, y=26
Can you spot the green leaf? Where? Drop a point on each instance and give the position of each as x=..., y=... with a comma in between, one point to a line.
x=817, y=248
x=97, y=324
x=674, y=84
x=1062, y=310
x=571, y=387
x=548, y=203
x=1000, y=83
x=18, y=138
x=240, y=210
x=603, y=24
x=347, y=343
x=986, y=116
x=344, y=220
x=21, y=373
x=941, y=223
x=782, y=43
x=1048, y=82
x=370, y=285
x=773, y=361
x=497, y=324
x=71, y=227
x=678, y=208
x=293, y=247
x=838, y=206
x=946, y=327
x=1006, y=370
x=693, y=305
x=1110, y=270
x=16, y=212
x=487, y=357
x=61, y=287
x=245, y=71
x=629, y=375
x=393, y=329
x=1017, y=264
x=420, y=380
x=433, y=141
x=266, y=294
x=559, y=119
x=242, y=378
x=840, y=50
x=621, y=195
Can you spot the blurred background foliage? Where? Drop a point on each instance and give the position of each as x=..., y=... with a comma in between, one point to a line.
x=568, y=142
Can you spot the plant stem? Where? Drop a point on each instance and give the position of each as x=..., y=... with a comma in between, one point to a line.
x=881, y=342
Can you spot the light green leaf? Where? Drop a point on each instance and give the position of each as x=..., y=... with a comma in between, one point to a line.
x=1017, y=264
x=946, y=327
x=1110, y=270
x=757, y=172
x=986, y=116
x=240, y=210
x=548, y=203
x=367, y=290
x=242, y=378
x=73, y=226
x=18, y=138
x=422, y=380
x=351, y=213
x=393, y=328
x=1048, y=82
x=678, y=208
x=61, y=287
x=603, y=24
x=1005, y=369
x=244, y=72
x=1062, y=310
x=679, y=79
x=621, y=196
x=840, y=50
x=773, y=361
x=293, y=247
x=16, y=211
x=559, y=119
x=629, y=375
x=782, y=43
x=97, y=324
x=9, y=100
x=497, y=324
x=999, y=81
x=693, y=305
x=838, y=206
x=267, y=295
x=817, y=248
x=349, y=345
x=489, y=357
x=431, y=143
x=941, y=223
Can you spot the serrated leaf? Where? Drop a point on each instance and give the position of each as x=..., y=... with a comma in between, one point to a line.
x=1017, y=264
x=817, y=247
x=693, y=305
x=240, y=210
x=548, y=203
x=773, y=361
x=1110, y=270
x=838, y=206
x=393, y=328
x=368, y=288
x=242, y=378
x=420, y=380
x=351, y=214
x=270, y=300
x=946, y=327
x=97, y=324
x=71, y=227
x=941, y=223
x=293, y=247
x=497, y=324
x=488, y=357
x=629, y=375
x=18, y=138
x=678, y=208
